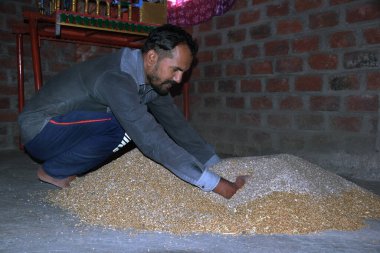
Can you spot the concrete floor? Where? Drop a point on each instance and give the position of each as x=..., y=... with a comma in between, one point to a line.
x=29, y=225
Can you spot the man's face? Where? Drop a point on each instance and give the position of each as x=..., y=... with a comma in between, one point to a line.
x=168, y=71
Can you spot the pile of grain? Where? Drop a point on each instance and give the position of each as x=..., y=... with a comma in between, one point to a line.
x=284, y=194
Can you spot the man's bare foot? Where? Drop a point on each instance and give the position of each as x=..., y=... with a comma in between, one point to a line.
x=61, y=183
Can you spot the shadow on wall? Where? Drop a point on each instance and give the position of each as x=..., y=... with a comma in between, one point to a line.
x=353, y=166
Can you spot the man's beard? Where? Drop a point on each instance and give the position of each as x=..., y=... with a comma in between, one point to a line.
x=161, y=88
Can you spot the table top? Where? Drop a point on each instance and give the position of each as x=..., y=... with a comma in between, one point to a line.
x=46, y=28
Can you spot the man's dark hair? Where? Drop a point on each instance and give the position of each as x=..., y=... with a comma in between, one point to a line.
x=167, y=37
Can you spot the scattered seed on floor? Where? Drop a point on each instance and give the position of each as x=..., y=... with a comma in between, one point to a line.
x=284, y=194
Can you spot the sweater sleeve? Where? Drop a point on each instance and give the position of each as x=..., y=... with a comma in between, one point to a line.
x=180, y=130
x=119, y=91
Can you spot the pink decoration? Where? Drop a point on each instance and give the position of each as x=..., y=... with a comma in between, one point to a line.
x=192, y=12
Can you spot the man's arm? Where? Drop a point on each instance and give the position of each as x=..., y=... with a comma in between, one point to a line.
x=167, y=113
x=118, y=91
x=179, y=129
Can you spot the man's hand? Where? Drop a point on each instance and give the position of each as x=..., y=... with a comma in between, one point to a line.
x=227, y=189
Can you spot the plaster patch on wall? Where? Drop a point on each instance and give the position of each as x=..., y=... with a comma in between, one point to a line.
x=360, y=60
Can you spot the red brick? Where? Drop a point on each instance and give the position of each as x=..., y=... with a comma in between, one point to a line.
x=256, y=2
x=225, y=21
x=212, y=102
x=8, y=116
x=324, y=103
x=249, y=16
x=4, y=103
x=206, y=26
x=291, y=141
x=195, y=101
x=236, y=69
x=225, y=54
x=227, y=86
x=263, y=138
x=344, y=82
x=278, y=9
x=291, y=103
x=324, y=19
x=373, y=81
x=5, y=62
x=373, y=122
x=195, y=72
x=305, y=44
x=261, y=68
x=308, y=83
x=323, y=61
x=239, y=4
x=260, y=31
x=3, y=130
x=277, y=85
x=336, y=2
x=250, y=51
x=277, y=47
x=261, y=103
x=3, y=76
x=363, y=103
x=6, y=36
x=250, y=118
x=204, y=116
x=10, y=21
x=213, y=40
x=212, y=70
x=303, y=5
x=205, y=56
x=289, y=26
x=342, y=39
x=250, y=85
x=8, y=90
x=363, y=12
x=372, y=35
x=206, y=87
x=310, y=122
x=235, y=102
x=350, y=124
x=236, y=36
x=226, y=117
x=289, y=65
x=7, y=7
x=279, y=121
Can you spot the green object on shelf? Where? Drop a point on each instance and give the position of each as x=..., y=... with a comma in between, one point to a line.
x=71, y=18
x=100, y=22
x=63, y=17
x=78, y=20
x=104, y=23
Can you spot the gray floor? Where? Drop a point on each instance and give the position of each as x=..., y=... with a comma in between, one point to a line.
x=27, y=224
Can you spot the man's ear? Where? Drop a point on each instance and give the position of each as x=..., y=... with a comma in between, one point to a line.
x=151, y=57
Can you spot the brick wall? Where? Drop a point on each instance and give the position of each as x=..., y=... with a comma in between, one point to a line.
x=10, y=12
x=55, y=57
x=297, y=76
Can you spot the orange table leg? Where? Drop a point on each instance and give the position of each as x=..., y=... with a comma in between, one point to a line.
x=36, y=58
x=20, y=70
x=20, y=75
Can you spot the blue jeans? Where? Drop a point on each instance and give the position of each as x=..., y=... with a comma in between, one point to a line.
x=77, y=142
